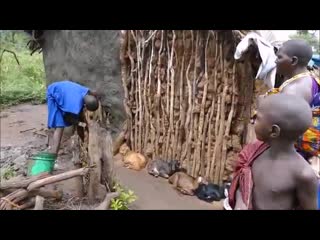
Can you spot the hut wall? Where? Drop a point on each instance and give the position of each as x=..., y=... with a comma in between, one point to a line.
x=259, y=89
x=186, y=98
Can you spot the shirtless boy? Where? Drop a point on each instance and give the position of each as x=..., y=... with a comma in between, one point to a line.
x=270, y=173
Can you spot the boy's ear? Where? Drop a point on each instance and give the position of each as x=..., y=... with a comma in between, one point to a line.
x=275, y=131
x=294, y=60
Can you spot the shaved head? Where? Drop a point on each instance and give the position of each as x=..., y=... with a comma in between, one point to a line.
x=292, y=55
x=290, y=113
x=91, y=102
x=298, y=48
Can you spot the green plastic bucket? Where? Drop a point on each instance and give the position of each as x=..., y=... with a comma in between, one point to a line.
x=40, y=163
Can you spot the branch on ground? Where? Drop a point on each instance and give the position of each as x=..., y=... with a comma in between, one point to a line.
x=9, y=51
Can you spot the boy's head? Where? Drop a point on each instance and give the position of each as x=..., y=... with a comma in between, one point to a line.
x=282, y=116
x=91, y=102
x=293, y=54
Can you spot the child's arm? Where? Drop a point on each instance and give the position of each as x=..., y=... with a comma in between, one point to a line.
x=240, y=205
x=307, y=189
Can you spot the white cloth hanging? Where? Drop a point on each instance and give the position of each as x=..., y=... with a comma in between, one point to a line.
x=267, y=69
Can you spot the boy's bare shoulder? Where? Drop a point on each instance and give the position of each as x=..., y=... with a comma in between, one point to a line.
x=304, y=172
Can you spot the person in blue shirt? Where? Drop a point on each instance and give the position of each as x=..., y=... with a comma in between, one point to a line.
x=66, y=101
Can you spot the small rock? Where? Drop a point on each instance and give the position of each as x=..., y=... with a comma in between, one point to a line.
x=57, y=167
x=20, y=161
x=16, y=168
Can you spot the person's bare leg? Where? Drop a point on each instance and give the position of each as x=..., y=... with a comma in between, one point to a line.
x=57, y=135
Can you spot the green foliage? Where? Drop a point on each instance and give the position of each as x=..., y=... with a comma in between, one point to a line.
x=312, y=37
x=7, y=173
x=24, y=82
x=125, y=198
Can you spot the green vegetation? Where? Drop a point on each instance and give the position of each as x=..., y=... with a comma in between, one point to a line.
x=310, y=36
x=24, y=82
x=125, y=198
x=7, y=173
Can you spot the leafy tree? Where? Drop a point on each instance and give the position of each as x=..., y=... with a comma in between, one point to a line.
x=310, y=36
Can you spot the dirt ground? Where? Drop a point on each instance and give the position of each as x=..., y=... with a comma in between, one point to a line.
x=23, y=133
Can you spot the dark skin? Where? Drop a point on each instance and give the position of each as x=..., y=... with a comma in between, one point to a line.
x=240, y=205
x=293, y=59
x=291, y=63
x=282, y=178
x=58, y=132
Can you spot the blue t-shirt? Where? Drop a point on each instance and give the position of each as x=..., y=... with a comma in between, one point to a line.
x=64, y=97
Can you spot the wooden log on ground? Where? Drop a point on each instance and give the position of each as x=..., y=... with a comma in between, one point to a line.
x=58, y=178
x=39, y=203
x=16, y=183
x=10, y=201
x=106, y=202
x=46, y=193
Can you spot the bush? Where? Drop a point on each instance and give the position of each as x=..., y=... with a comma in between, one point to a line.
x=123, y=201
x=24, y=82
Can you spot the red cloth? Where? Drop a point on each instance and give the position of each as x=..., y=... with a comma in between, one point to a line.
x=243, y=175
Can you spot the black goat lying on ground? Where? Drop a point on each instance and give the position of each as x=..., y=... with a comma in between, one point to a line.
x=162, y=168
x=212, y=192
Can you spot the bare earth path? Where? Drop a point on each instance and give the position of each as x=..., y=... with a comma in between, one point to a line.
x=152, y=193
